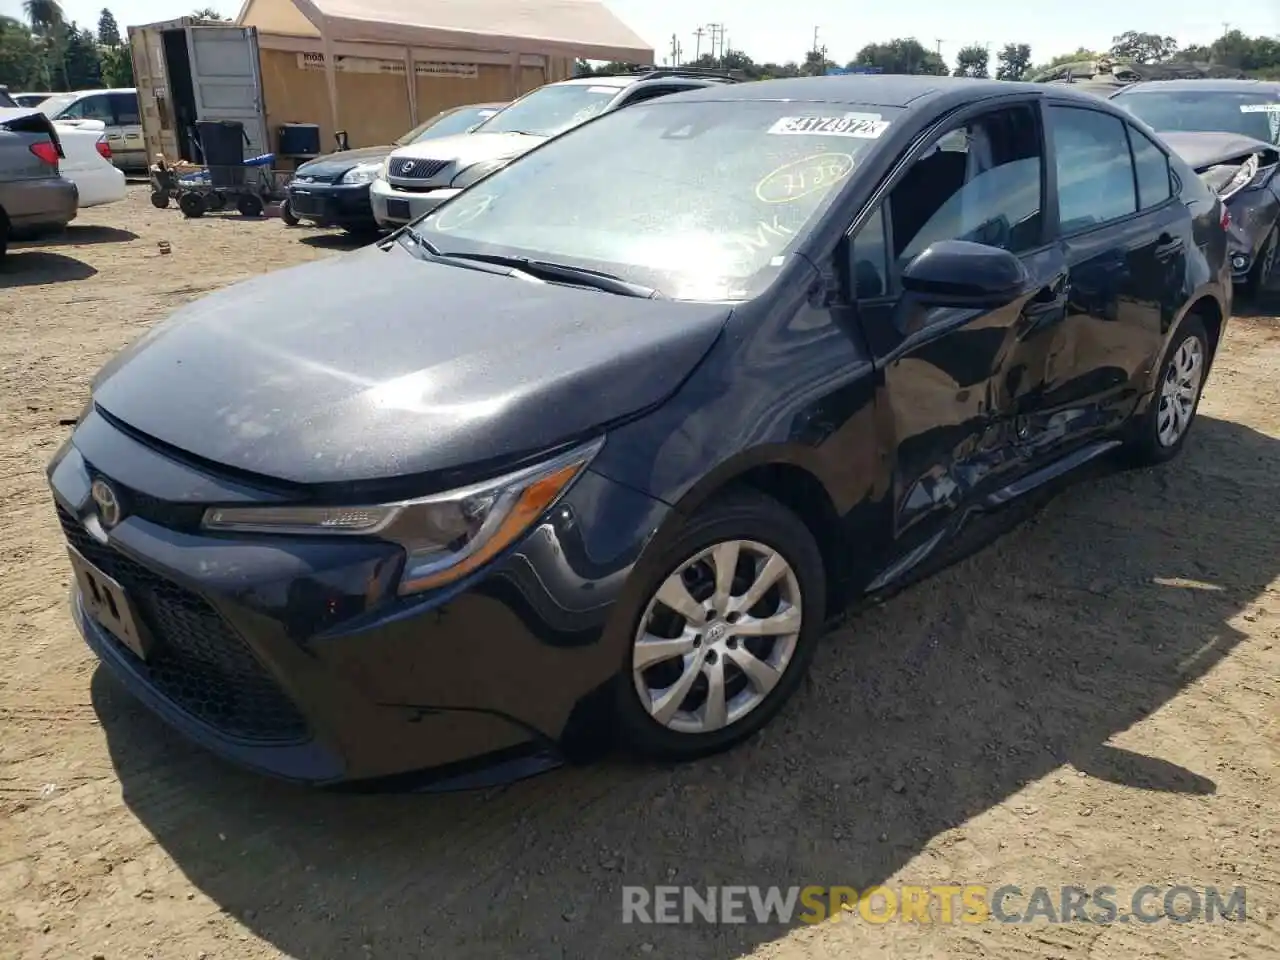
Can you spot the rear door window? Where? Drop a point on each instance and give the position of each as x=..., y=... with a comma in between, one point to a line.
x=96, y=107
x=1095, y=169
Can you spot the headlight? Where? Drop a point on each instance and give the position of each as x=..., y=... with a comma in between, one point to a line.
x=445, y=536
x=476, y=171
x=1239, y=180
x=364, y=173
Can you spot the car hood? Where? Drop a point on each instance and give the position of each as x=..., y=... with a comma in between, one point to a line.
x=468, y=148
x=336, y=164
x=377, y=365
x=1202, y=150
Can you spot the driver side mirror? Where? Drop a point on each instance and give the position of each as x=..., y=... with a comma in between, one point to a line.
x=959, y=273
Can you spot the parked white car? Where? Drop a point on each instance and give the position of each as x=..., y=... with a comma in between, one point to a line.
x=88, y=164
x=416, y=179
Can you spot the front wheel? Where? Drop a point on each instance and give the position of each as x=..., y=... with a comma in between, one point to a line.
x=1159, y=433
x=159, y=199
x=287, y=215
x=732, y=612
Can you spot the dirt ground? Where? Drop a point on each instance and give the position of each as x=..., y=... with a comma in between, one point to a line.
x=1091, y=700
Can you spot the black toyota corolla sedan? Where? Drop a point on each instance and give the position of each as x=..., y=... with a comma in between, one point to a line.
x=601, y=444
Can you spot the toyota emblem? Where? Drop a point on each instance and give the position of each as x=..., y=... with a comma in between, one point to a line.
x=108, y=504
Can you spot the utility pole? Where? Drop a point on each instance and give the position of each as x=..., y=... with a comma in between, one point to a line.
x=717, y=40
x=697, y=44
x=938, y=44
x=675, y=51
x=1226, y=28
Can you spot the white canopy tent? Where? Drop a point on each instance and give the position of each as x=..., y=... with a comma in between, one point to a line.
x=566, y=28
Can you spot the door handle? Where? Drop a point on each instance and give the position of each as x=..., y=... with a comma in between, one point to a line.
x=1168, y=246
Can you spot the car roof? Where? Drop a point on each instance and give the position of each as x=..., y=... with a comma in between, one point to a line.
x=883, y=90
x=1206, y=85
x=80, y=94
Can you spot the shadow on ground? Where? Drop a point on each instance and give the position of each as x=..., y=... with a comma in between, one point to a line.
x=27, y=267
x=336, y=241
x=957, y=693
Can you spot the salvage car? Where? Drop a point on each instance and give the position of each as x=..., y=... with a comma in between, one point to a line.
x=600, y=445
x=416, y=179
x=35, y=199
x=333, y=190
x=1229, y=131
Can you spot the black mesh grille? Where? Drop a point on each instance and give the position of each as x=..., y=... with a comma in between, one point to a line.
x=409, y=168
x=197, y=660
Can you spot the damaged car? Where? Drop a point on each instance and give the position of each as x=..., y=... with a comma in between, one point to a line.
x=1243, y=173
x=1228, y=131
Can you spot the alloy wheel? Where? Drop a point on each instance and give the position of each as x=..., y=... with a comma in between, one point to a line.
x=717, y=637
x=1180, y=391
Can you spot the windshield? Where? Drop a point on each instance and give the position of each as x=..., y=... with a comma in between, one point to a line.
x=446, y=124
x=701, y=200
x=551, y=110
x=6, y=100
x=1251, y=114
x=55, y=105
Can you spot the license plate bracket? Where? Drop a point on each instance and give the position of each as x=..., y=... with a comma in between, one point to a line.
x=106, y=601
x=399, y=210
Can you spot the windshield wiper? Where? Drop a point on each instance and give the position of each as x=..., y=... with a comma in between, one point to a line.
x=423, y=249
x=565, y=273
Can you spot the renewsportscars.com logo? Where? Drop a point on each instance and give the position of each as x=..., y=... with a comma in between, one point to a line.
x=939, y=903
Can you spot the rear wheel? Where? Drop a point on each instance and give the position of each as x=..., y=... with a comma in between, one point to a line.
x=159, y=199
x=4, y=234
x=1159, y=434
x=192, y=205
x=731, y=615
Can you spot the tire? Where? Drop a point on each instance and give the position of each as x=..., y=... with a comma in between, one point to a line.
x=192, y=205
x=1151, y=441
x=249, y=205
x=1264, y=267
x=4, y=235
x=287, y=214
x=761, y=528
x=159, y=199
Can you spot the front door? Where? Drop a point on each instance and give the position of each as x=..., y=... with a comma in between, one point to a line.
x=950, y=376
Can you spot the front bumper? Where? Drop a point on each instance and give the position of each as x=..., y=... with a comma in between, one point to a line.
x=393, y=207
x=332, y=204
x=294, y=656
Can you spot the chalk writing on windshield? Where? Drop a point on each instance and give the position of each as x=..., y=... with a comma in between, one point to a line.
x=763, y=235
x=1260, y=108
x=797, y=179
x=462, y=211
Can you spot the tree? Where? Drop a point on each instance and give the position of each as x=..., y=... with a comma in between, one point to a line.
x=903, y=55
x=48, y=25
x=1014, y=61
x=972, y=61
x=117, y=66
x=22, y=62
x=108, y=29
x=1143, y=47
x=208, y=13
x=81, y=59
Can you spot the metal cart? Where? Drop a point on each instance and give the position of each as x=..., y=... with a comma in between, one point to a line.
x=225, y=174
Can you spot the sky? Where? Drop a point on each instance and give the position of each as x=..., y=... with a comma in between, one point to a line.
x=781, y=30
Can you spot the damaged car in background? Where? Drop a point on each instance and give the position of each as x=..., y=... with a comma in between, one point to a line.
x=1243, y=173
x=1228, y=131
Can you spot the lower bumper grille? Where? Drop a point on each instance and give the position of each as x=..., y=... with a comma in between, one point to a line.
x=198, y=662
